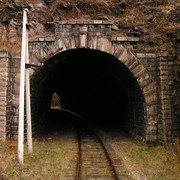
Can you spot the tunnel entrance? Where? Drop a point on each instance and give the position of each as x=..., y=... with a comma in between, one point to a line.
x=93, y=84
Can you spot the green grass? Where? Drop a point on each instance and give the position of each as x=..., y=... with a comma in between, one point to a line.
x=51, y=159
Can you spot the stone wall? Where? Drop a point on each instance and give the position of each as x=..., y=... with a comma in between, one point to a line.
x=152, y=73
x=4, y=87
x=166, y=76
x=13, y=96
x=97, y=35
x=176, y=89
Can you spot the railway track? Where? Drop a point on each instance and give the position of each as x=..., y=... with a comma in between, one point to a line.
x=94, y=160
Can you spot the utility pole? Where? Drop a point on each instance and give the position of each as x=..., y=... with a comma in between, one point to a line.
x=21, y=91
x=28, y=100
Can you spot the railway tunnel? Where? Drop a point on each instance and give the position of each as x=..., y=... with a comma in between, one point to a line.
x=93, y=84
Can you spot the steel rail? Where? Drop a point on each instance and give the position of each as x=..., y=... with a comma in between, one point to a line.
x=78, y=165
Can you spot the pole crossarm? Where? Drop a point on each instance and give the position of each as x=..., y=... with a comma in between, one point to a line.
x=27, y=65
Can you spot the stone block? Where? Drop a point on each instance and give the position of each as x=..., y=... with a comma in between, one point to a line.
x=140, y=73
x=164, y=78
x=3, y=94
x=92, y=42
x=61, y=44
x=4, y=65
x=3, y=74
x=62, y=22
x=3, y=123
x=138, y=69
x=83, y=41
x=153, y=119
x=73, y=43
x=67, y=27
x=152, y=108
x=123, y=55
x=104, y=44
x=59, y=28
x=151, y=99
x=75, y=34
x=143, y=78
x=4, y=54
x=166, y=107
x=151, y=139
x=114, y=38
x=83, y=29
x=133, y=65
x=165, y=97
x=63, y=35
x=2, y=118
x=91, y=31
x=67, y=43
x=4, y=79
x=129, y=47
x=88, y=22
x=71, y=22
x=3, y=112
x=3, y=69
x=150, y=86
x=98, y=33
x=107, y=22
x=129, y=62
x=3, y=84
x=3, y=103
x=151, y=130
x=146, y=55
x=3, y=99
x=75, y=27
x=149, y=92
x=152, y=114
x=2, y=137
x=133, y=39
x=121, y=38
x=97, y=22
x=3, y=108
x=81, y=22
x=164, y=86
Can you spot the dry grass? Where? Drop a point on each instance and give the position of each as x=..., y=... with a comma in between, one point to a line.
x=51, y=159
x=154, y=162
x=174, y=151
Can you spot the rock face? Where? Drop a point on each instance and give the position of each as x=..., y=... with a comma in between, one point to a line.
x=131, y=18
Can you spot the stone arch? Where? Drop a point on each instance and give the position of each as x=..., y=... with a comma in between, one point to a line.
x=135, y=67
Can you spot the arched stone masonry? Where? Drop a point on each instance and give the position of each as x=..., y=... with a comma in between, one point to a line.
x=96, y=35
x=143, y=82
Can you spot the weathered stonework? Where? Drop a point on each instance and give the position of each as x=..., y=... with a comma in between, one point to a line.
x=150, y=73
x=4, y=85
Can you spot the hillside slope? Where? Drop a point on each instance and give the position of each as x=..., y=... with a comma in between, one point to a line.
x=153, y=20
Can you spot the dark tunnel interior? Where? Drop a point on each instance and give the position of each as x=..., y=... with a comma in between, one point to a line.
x=90, y=83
